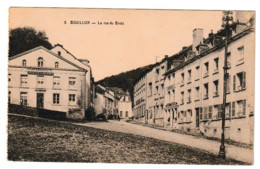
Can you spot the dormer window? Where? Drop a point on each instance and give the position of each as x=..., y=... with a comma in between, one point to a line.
x=56, y=65
x=24, y=63
x=40, y=62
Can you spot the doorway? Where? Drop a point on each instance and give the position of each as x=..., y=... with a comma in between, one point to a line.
x=40, y=100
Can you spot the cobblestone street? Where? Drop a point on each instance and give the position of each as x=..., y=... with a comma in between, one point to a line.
x=35, y=139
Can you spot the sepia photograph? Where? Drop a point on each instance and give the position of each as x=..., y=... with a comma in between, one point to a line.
x=134, y=86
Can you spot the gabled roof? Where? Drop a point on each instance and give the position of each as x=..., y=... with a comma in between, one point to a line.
x=80, y=61
x=43, y=48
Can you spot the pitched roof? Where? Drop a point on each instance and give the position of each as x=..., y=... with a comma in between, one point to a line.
x=43, y=48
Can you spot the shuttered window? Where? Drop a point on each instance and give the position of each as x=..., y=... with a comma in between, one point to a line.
x=233, y=109
x=234, y=83
x=201, y=111
x=210, y=112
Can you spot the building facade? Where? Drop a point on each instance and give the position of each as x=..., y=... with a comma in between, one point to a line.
x=125, y=106
x=106, y=102
x=140, y=99
x=193, y=85
x=51, y=79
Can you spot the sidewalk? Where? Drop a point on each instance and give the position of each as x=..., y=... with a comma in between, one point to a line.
x=233, y=152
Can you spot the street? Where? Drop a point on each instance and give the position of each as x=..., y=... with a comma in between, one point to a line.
x=36, y=139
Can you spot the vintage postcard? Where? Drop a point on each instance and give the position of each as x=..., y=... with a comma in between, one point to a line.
x=131, y=86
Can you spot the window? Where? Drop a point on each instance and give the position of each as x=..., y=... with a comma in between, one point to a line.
x=210, y=112
x=56, y=82
x=59, y=53
x=182, y=78
x=228, y=83
x=241, y=108
x=23, y=98
x=150, y=89
x=24, y=79
x=24, y=63
x=40, y=62
x=220, y=110
x=241, y=77
x=216, y=111
x=189, y=96
x=233, y=109
x=56, y=98
x=241, y=52
x=197, y=72
x=201, y=113
x=173, y=95
x=197, y=96
x=228, y=110
x=205, y=112
x=9, y=96
x=206, y=69
x=182, y=97
x=228, y=59
x=162, y=89
x=72, y=82
x=121, y=113
x=40, y=81
x=72, y=98
x=169, y=77
x=157, y=74
x=215, y=88
x=126, y=114
x=157, y=89
x=206, y=91
x=56, y=65
x=189, y=75
x=189, y=115
x=216, y=65
x=9, y=77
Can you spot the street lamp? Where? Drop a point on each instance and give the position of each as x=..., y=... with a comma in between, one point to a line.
x=227, y=23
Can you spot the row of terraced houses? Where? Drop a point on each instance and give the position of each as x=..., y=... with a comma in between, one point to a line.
x=185, y=91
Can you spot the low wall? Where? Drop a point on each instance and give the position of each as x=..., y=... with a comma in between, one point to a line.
x=30, y=111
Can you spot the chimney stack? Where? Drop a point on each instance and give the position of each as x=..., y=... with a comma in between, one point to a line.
x=197, y=38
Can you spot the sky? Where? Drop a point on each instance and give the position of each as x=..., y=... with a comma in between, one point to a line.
x=144, y=37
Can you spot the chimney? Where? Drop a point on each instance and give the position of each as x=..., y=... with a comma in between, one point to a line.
x=211, y=33
x=197, y=38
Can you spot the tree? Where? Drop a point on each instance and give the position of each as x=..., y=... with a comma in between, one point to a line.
x=26, y=38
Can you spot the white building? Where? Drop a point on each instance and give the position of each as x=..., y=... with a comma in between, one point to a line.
x=125, y=106
x=51, y=79
x=194, y=88
x=106, y=102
